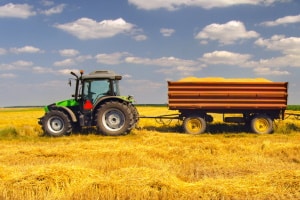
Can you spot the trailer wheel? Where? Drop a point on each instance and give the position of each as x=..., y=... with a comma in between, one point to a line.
x=56, y=123
x=262, y=124
x=194, y=125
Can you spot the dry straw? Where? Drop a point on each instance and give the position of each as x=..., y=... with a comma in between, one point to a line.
x=150, y=164
x=221, y=79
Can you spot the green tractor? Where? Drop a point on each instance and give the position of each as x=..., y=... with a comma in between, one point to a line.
x=96, y=103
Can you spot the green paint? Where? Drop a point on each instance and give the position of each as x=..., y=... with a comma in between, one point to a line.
x=127, y=98
x=67, y=103
x=64, y=103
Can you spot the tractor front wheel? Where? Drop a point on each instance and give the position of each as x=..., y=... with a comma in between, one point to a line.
x=114, y=118
x=56, y=123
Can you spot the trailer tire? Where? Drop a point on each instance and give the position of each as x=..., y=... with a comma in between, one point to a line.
x=194, y=125
x=262, y=124
x=114, y=118
x=56, y=123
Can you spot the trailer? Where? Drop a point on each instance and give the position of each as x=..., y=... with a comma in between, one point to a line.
x=256, y=103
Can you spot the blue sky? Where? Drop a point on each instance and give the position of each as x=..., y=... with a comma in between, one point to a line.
x=148, y=42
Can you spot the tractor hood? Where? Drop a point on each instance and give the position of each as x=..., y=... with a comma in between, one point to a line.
x=64, y=103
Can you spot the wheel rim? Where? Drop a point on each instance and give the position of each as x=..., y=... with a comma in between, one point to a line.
x=261, y=125
x=113, y=119
x=193, y=126
x=55, y=124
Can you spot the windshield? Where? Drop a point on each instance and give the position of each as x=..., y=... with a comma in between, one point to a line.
x=96, y=88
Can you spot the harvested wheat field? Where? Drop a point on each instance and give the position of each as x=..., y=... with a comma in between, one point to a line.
x=155, y=161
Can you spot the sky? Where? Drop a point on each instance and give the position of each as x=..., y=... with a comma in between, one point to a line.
x=148, y=42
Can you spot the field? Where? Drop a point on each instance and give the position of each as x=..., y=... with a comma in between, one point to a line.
x=155, y=161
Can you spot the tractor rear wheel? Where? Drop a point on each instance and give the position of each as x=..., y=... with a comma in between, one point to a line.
x=114, y=118
x=194, y=125
x=56, y=123
x=135, y=113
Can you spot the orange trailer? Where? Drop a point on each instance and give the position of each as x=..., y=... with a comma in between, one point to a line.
x=259, y=102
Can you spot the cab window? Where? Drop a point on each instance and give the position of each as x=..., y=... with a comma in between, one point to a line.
x=95, y=89
x=116, y=88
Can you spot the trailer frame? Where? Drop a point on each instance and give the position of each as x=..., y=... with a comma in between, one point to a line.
x=160, y=119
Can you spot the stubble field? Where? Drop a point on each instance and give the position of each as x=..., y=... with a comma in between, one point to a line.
x=155, y=161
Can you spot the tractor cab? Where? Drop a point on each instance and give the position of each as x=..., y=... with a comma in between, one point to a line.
x=96, y=84
x=92, y=87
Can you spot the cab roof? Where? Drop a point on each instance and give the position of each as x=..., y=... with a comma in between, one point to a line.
x=102, y=74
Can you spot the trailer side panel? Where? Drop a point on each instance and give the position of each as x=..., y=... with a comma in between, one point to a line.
x=227, y=96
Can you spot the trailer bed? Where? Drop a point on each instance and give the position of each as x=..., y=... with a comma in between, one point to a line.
x=227, y=96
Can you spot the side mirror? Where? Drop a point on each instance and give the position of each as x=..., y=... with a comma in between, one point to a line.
x=74, y=74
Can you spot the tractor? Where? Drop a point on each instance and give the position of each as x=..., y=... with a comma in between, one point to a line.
x=96, y=103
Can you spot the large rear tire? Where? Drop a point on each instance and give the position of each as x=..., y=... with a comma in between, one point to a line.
x=114, y=118
x=56, y=123
x=135, y=114
x=262, y=124
x=194, y=125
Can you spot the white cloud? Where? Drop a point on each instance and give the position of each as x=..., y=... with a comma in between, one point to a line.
x=8, y=75
x=23, y=63
x=64, y=63
x=175, y=65
x=281, y=61
x=111, y=59
x=283, y=21
x=54, y=10
x=83, y=58
x=72, y=61
x=42, y=70
x=180, y=70
x=26, y=49
x=172, y=5
x=226, y=33
x=67, y=71
x=225, y=57
x=47, y=3
x=163, y=61
x=264, y=71
x=167, y=32
x=261, y=67
x=45, y=70
x=126, y=76
x=140, y=84
x=2, y=51
x=53, y=84
x=140, y=37
x=68, y=52
x=22, y=11
x=137, y=34
x=287, y=45
x=86, y=29
x=17, y=65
